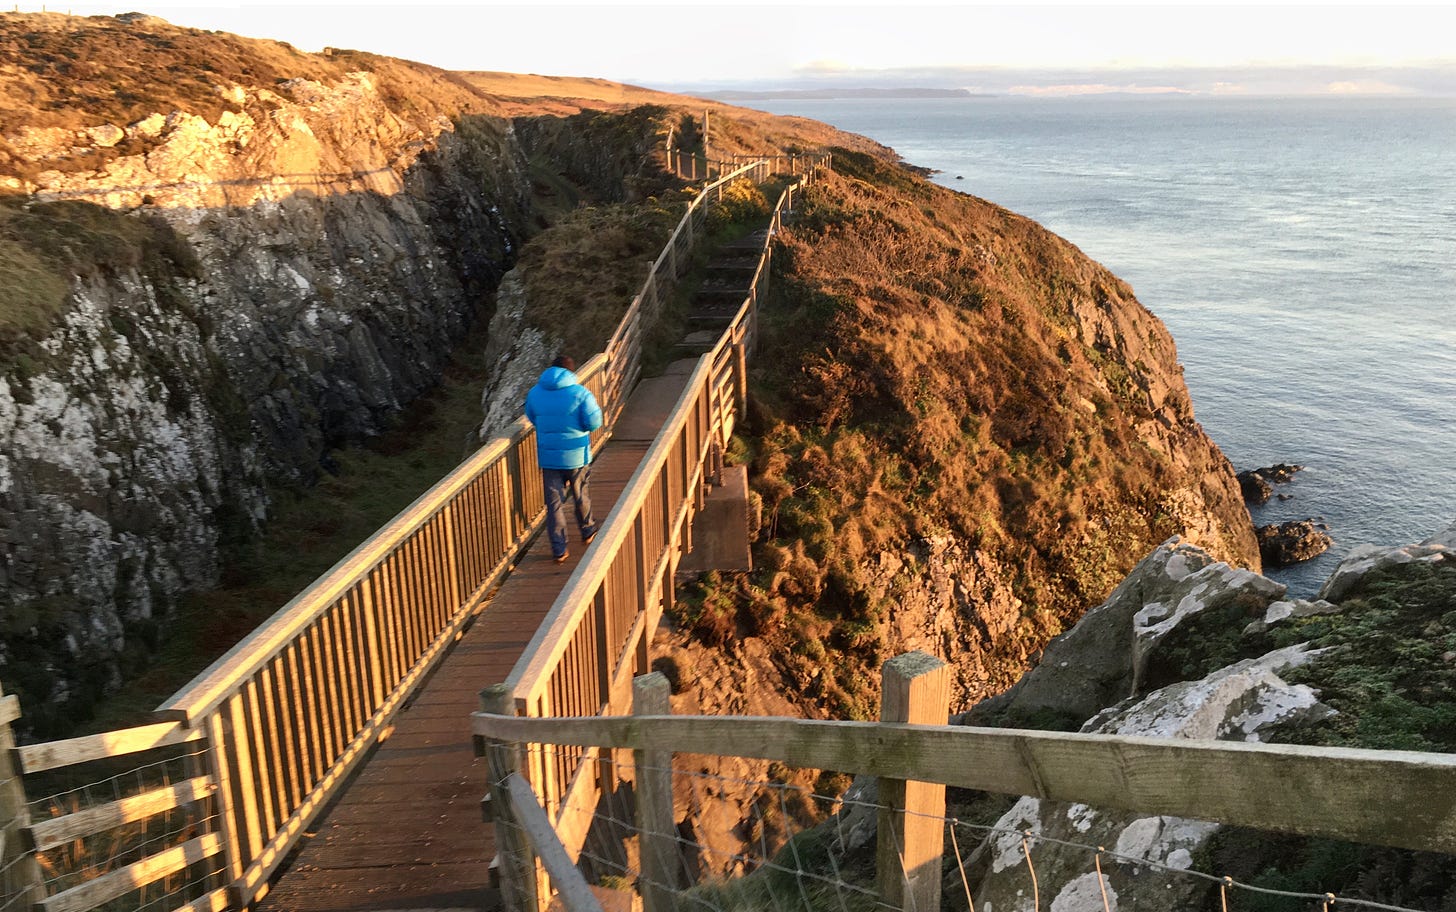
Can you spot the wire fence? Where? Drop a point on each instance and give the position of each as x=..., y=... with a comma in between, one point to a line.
x=95, y=819
x=793, y=848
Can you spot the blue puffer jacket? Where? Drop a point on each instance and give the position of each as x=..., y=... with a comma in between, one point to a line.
x=564, y=413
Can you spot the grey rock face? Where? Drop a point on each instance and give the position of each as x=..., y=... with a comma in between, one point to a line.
x=1100, y=661
x=517, y=353
x=343, y=249
x=1242, y=702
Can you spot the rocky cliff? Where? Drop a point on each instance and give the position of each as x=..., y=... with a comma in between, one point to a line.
x=963, y=435
x=222, y=257
x=237, y=258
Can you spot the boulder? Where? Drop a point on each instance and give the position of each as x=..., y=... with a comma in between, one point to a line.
x=1256, y=483
x=106, y=135
x=1243, y=702
x=1280, y=473
x=1365, y=558
x=1101, y=660
x=1255, y=487
x=1281, y=611
x=1288, y=543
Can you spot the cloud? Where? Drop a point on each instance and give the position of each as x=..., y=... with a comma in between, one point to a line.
x=1365, y=87
x=1434, y=79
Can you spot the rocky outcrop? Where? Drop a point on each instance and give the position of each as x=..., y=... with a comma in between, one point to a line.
x=1257, y=484
x=1365, y=559
x=1243, y=702
x=1103, y=659
x=1282, y=544
x=517, y=352
x=1255, y=487
x=949, y=600
x=335, y=246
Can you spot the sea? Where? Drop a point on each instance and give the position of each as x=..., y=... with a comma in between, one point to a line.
x=1301, y=250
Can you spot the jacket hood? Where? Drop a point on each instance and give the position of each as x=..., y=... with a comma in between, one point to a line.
x=557, y=377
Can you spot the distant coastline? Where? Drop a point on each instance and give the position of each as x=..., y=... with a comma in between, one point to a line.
x=828, y=94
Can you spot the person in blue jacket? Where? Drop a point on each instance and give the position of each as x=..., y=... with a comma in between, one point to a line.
x=564, y=413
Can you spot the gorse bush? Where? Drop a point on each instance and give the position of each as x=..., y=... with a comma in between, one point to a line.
x=741, y=201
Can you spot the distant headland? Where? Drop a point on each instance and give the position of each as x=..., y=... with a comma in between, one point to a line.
x=833, y=93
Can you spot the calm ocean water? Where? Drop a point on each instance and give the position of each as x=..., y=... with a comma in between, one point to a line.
x=1301, y=251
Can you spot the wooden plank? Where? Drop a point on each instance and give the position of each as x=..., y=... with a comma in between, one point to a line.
x=571, y=887
x=1396, y=798
x=227, y=814
x=263, y=763
x=251, y=836
x=289, y=727
x=49, y=834
x=9, y=709
x=24, y=881
x=118, y=883
x=37, y=758
x=519, y=883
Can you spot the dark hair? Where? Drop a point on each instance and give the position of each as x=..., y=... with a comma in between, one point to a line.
x=565, y=361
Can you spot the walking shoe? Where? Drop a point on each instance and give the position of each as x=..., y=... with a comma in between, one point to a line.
x=587, y=538
x=561, y=558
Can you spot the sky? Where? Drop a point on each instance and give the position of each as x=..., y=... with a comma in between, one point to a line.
x=1030, y=48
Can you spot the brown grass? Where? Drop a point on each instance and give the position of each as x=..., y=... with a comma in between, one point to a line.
x=928, y=377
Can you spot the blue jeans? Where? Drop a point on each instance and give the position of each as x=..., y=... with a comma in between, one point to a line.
x=561, y=483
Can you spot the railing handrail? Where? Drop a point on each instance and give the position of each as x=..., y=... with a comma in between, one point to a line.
x=575, y=599
x=1372, y=796
x=211, y=686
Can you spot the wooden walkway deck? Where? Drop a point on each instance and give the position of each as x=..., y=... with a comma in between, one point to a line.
x=407, y=833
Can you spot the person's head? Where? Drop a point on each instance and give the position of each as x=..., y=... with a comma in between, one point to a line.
x=565, y=361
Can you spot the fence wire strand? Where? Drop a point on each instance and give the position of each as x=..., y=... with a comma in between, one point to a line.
x=91, y=785
x=774, y=866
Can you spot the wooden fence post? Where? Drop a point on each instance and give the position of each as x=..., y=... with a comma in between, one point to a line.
x=653, y=771
x=519, y=890
x=22, y=878
x=915, y=689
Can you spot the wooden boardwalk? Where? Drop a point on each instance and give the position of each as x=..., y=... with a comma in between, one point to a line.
x=407, y=833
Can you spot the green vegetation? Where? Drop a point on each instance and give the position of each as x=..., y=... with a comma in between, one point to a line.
x=582, y=272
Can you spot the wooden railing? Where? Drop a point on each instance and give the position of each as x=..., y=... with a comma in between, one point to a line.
x=286, y=715
x=695, y=166
x=596, y=635
x=1389, y=798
